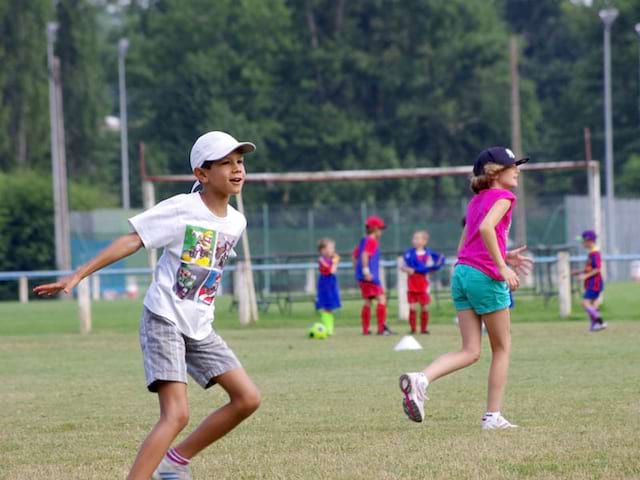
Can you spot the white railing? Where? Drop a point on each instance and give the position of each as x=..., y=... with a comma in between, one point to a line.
x=89, y=289
x=25, y=277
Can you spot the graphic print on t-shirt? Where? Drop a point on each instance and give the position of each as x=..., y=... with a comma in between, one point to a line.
x=204, y=254
x=207, y=293
x=188, y=279
x=223, y=249
x=198, y=246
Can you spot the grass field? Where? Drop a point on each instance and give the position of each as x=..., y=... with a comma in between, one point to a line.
x=75, y=407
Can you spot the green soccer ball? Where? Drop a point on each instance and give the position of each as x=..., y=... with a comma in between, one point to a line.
x=318, y=331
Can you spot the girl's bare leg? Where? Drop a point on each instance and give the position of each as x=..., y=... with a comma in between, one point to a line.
x=499, y=329
x=471, y=330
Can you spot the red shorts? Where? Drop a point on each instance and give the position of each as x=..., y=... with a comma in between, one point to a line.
x=423, y=298
x=370, y=290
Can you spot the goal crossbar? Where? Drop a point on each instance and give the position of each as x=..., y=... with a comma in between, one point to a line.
x=592, y=167
x=379, y=174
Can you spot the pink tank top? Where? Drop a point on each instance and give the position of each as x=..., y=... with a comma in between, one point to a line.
x=473, y=252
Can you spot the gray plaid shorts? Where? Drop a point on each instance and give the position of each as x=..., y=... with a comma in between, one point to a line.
x=169, y=355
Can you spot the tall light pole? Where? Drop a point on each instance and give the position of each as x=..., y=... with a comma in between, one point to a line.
x=608, y=16
x=637, y=28
x=58, y=156
x=52, y=30
x=123, y=45
x=516, y=140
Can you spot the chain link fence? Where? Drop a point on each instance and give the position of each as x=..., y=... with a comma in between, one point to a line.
x=283, y=241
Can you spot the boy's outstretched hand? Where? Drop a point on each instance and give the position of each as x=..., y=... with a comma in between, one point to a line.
x=64, y=285
x=520, y=263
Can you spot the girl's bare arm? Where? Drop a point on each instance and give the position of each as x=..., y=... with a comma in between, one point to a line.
x=463, y=237
x=488, y=234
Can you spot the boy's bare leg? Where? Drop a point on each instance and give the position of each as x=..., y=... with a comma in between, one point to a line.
x=365, y=316
x=598, y=301
x=424, y=318
x=244, y=399
x=174, y=417
x=471, y=330
x=590, y=306
x=413, y=323
x=381, y=313
x=382, y=299
x=499, y=329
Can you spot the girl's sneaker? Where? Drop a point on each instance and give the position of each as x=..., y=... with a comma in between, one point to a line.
x=497, y=422
x=169, y=470
x=414, y=388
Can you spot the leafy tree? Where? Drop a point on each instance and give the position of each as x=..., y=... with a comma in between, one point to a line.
x=320, y=84
x=85, y=93
x=24, y=111
x=563, y=57
x=26, y=220
x=195, y=68
x=630, y=178
x=325, y=85
x=390, y=84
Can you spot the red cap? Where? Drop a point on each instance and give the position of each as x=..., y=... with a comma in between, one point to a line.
x=374, y=222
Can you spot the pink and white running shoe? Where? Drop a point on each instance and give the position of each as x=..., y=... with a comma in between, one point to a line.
x=414, y=388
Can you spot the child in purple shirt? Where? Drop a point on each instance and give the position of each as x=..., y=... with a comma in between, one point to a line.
x=480, y=286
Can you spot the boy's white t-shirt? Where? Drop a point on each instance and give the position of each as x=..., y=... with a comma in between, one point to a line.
x=196, y=245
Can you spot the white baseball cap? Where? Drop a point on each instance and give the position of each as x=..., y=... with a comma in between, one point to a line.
x=214, y=146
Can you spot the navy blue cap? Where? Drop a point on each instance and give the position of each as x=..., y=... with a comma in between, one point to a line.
x=499, y=155
x=588, y=235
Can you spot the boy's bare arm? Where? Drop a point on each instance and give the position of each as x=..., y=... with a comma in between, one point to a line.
x=365, y=267
x=334, y=263
x=118, y=249
x=590, y=274
x=406, y=268
x=594, y=272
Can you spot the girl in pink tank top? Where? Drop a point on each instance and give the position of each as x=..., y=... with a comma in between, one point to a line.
x=482, y=279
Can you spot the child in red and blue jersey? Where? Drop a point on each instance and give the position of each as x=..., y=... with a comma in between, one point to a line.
x=418, y=262
x=328, y=296
x=366, y=262
x=593, y=283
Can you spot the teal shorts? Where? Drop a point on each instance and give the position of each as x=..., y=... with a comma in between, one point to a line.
x=474, y=290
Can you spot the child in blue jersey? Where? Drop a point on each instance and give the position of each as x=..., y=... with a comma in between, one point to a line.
x=366, y=262
x=593, y=283
x=328, y=291
x=419, y=261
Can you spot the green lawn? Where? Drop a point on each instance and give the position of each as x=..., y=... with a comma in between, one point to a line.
x=76, y=408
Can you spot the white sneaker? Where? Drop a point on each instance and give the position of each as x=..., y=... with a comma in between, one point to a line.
x=497, y=422
x=169, y=470
x=414, y=388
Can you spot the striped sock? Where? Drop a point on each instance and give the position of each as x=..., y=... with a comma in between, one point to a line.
x=175, y=457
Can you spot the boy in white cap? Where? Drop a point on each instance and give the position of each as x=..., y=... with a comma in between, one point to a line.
x=197, y=232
